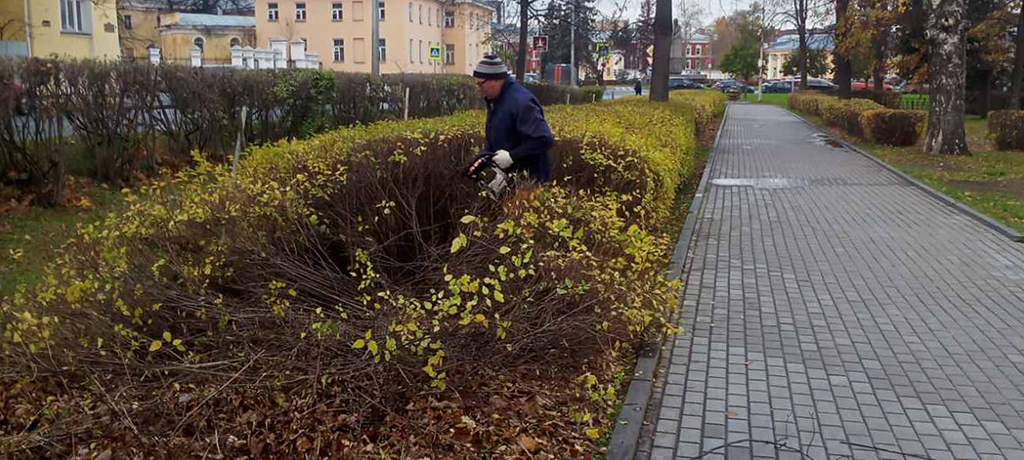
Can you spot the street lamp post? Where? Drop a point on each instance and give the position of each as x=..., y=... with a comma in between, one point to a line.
x=375, y=39
x=572, y=46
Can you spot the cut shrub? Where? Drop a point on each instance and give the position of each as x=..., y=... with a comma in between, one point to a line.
x=892, y=127
x=362, y=260
x=806, y=101
x=845, y=115
x=1006, y=127
x=888, y=99
x=548, y=94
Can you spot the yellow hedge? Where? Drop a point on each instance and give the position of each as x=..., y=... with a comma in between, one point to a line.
x=216, y=245
x=892, y=127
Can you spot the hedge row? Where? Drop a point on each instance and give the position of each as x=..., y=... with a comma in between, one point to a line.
x=862, y=118
x=128, y=118
x=1006, y=127
x=558, y=94
x=360, y=260
x=888, y=99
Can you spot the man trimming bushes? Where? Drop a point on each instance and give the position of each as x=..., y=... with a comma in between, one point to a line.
x=518, y=136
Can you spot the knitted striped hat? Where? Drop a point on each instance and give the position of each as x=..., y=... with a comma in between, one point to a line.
x=491, y=67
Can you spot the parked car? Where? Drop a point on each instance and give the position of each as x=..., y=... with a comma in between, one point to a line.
x=723, y=84
x=683, y=83
x=862, y=85
x=916, y=88
x=531, y=78
x=818, y=84
x=777, y=87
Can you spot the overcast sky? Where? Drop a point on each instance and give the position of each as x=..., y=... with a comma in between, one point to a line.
x=712, y=8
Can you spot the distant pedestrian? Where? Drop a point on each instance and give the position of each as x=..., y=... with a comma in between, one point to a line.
x=639, y=88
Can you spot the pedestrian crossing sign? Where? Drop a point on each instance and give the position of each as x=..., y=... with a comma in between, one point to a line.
x=435, y=53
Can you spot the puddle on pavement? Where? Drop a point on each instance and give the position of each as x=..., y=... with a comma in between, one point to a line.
x=765, y=182
x=825, y=140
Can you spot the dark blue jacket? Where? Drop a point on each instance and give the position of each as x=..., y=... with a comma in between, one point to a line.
x=515, y=122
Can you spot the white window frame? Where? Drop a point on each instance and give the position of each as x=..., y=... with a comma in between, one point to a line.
x=449, y=54
x=697, y=49
x=411, y=57
x=127, y=22
x=410, y=12
x=232, y=40
x=380, y=10
x=273, y=13
x=300, y=13
x=382, y=50
x=339, y=50
x=75, y=16
x=201, y=44
x=337, y=12
x=421, y=13
x=449, y=19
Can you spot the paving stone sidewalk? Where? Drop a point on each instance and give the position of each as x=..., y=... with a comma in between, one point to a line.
x=830, y=304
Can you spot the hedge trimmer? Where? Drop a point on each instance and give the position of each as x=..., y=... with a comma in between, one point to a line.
x=489, y=176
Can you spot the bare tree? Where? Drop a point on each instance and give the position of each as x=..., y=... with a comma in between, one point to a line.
x=947, y=70
x=689, y=14
x=662, y=50
x=9, y=27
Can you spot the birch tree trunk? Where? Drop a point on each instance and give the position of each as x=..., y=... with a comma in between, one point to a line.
x=947, y=70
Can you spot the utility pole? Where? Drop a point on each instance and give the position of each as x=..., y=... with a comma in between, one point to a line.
x=375, y=39
x=760, y=61
x=572, y=46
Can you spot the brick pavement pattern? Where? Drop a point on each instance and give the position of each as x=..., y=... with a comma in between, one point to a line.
x=829, y=304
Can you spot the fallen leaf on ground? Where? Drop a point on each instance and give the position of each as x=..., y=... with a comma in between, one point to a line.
x=528, y=443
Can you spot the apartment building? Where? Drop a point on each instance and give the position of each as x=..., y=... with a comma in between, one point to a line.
x=59, y=28
x=457, y=31
x=145, y=24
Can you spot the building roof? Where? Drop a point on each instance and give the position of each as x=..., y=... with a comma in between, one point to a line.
x=213, y=20
x=487, y=5
x=233, y=6
x=791, y=42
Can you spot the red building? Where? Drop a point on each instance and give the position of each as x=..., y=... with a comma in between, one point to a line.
x=698, y=53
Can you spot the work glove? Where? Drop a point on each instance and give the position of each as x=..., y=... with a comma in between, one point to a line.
x=503, y=159
x=479, y=163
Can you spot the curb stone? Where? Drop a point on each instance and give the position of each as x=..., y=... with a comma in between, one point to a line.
x=970, y=212
x=625, y=437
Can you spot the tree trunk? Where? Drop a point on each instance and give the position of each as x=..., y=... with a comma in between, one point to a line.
x=844, y=69
x=986, y=93
x=524, y=24
x=877, y=71
x=662, y=49
x=878, y=44
x=800, y=16
x=947, y=69
x=1018, y=64
x=803, y=57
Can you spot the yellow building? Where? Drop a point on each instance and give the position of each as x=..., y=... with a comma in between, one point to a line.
x=340, y=31
x=143, y=25
x=782, y=47
x=59, y=28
